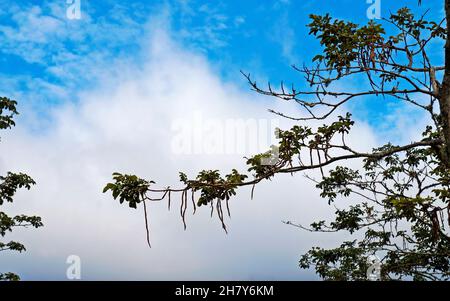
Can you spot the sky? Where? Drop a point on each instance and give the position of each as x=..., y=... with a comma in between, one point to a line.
x=145, y=88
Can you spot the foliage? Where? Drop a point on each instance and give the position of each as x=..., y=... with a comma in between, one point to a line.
x=9, y=185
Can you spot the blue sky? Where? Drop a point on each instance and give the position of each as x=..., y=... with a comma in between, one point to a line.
x=263, y=38
x=101, y=94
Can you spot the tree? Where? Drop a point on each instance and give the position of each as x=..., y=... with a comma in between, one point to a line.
x=402, y=191
x=9, y=184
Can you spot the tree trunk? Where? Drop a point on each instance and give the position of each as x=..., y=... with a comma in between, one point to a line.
x=444, y=93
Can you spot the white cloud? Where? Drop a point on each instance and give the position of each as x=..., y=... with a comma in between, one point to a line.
x=127, y=127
